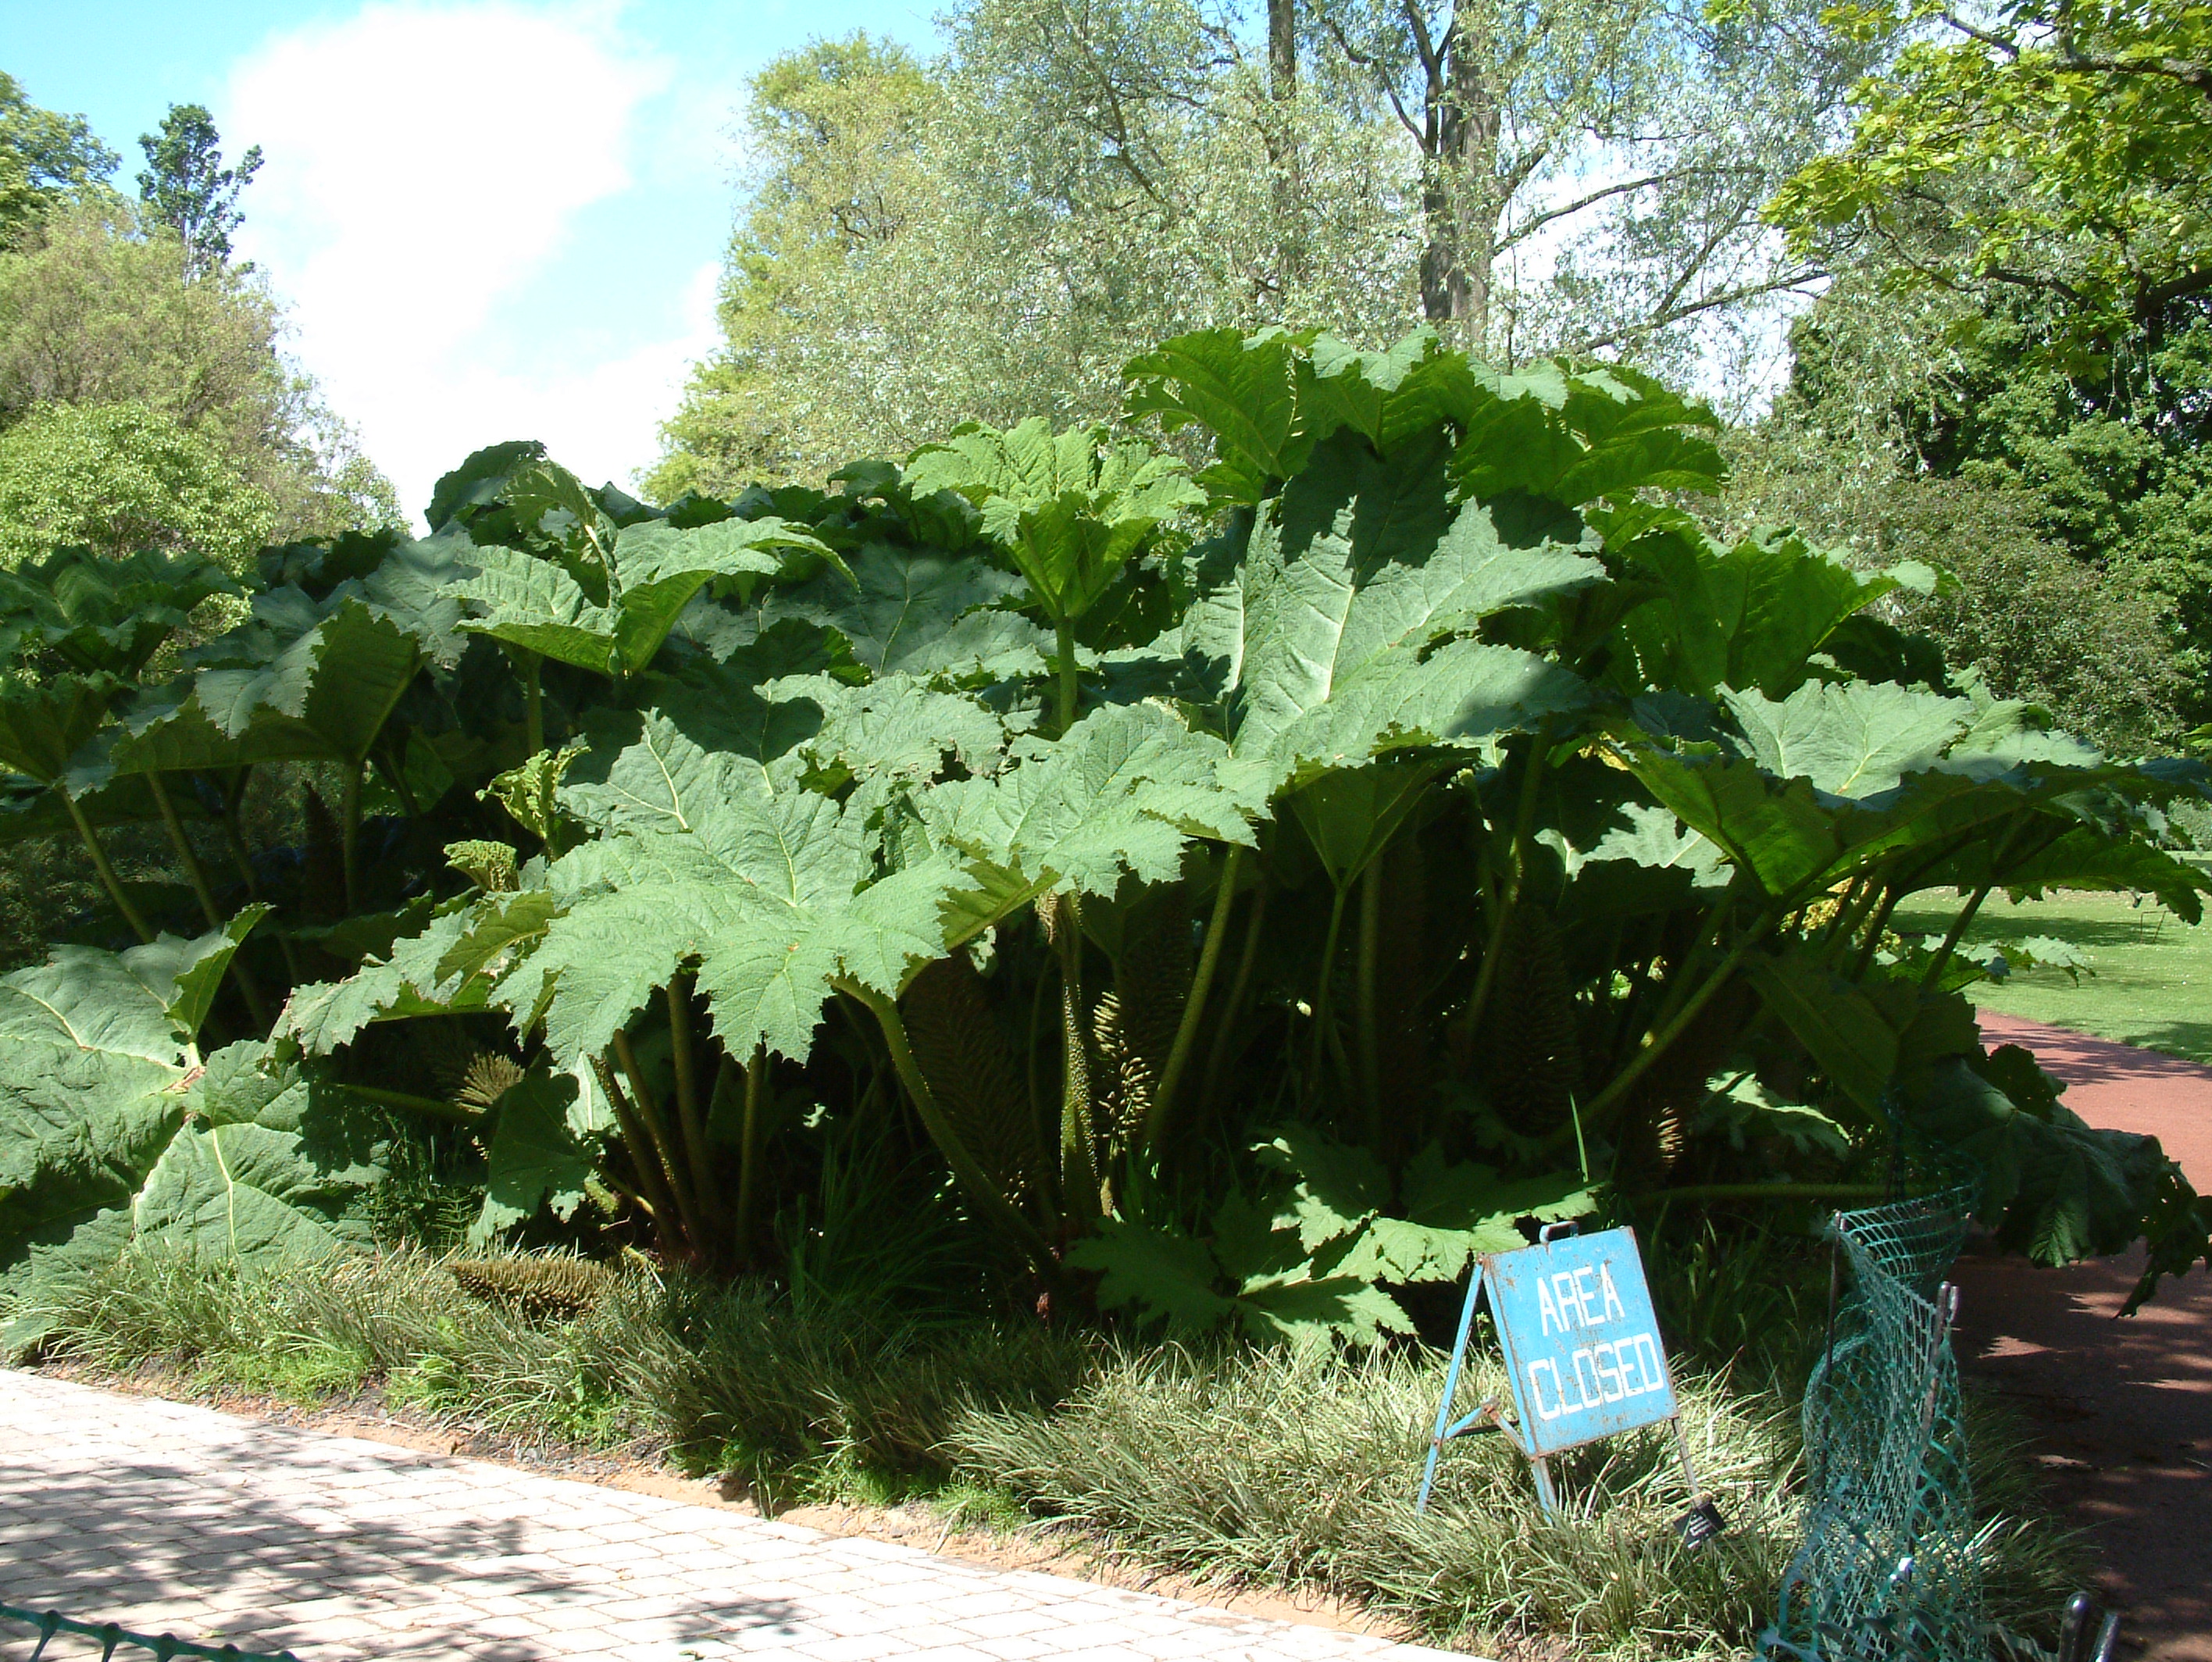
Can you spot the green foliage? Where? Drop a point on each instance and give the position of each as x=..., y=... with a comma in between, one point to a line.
x=1420, y=836
x=121, y=477
x=1290, y=1468
x=187, y=188
x=117, y=1134
x=93, y=314
x=2056, y=148
x=1301, y=1262
x=2068, y=499
x=46, y=159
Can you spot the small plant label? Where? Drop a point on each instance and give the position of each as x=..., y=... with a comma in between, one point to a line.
x=1581, y=1344
x=1583, y=1357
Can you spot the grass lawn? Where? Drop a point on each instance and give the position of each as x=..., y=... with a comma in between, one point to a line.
x=2153, y=980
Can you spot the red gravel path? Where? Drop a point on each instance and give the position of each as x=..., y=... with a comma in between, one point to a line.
x=2123, y=1408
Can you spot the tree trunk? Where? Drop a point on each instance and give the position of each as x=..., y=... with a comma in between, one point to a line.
x=1457, y=193
x=1282, y=49
x=1282, y=141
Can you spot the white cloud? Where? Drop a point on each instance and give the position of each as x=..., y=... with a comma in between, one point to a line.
x=428, y=167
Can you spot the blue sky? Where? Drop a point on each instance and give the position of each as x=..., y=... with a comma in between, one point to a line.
x=487, y=219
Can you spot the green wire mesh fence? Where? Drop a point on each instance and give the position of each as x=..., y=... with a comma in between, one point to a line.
x=1890, y=1570
x=112, y=1637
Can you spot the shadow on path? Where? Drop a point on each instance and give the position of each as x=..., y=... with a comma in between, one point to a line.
x=202, y=1549
x=2122, y=1409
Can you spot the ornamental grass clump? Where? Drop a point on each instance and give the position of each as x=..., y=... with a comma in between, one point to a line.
x=1283, y=1467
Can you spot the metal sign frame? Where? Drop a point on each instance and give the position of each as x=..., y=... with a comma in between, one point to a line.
x=1574, y=1316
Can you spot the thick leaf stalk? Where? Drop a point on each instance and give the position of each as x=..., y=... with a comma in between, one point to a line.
x=104, y=868
x=1324, y=1014
x=988, y=1197
x=749, y=1157
x=1370, y=1049
x=1162, y=1108
x=663, y=1149
x=689, y=1112
x=196, y=875
x=1217, y=1058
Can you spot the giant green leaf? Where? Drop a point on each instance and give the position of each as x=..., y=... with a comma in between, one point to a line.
x=920, y=613
x=2080, y=856
x=43, y=724
x=1070, y=509
x=652, y=572
x=645, y=772
x=1161, y=1273
x=449, y=966
x=1750, y=615
x=897, y=727
x=334, y=670
x=1353, y=572
x=1575, y=436
x=1306, y=1311
x=771, y=889
x=1350, y=814
x=1124, y=790
x=535, y=1157
x=100, y=613
x=88, y=998
x=105, y=1138
x=2052, y=1186
x=534, y=604
x=1847, y=1034
x=1781, y=834
x=1853, y=741
x=184, y=975
x=1459, y=695
x=247, y=1192
x=1388, y=397
x=78, y=1129
x=1241, y=391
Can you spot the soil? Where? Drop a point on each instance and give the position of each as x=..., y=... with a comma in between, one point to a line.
x=2122, y=1409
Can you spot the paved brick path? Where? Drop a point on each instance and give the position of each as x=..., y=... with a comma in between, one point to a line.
x=168, y=1517
x=2122, y=1411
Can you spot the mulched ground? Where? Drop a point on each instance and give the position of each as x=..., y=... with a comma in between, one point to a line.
x=2123, y=1408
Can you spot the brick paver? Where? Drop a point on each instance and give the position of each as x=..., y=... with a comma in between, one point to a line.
x=168, y=1517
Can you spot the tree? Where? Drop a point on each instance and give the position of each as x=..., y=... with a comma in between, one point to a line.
x=187, y=188
x=91, y=312
x=2075, y=509
x=2060, y=150
x=120, y=477
x=1590, y=173
x=1075, y=177
x=94, y=315
x=834, y=131
x=46, y=160
x=1070, y=181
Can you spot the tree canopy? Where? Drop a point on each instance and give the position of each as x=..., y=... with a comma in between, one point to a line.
x=1068, y=182
x=2060, y=148
x=185, y=187
x=128, y=340
x=47, y=161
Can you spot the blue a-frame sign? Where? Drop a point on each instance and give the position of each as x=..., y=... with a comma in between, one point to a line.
x=1583, y=1357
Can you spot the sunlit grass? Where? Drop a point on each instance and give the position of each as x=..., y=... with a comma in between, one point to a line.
x=2152, y=983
